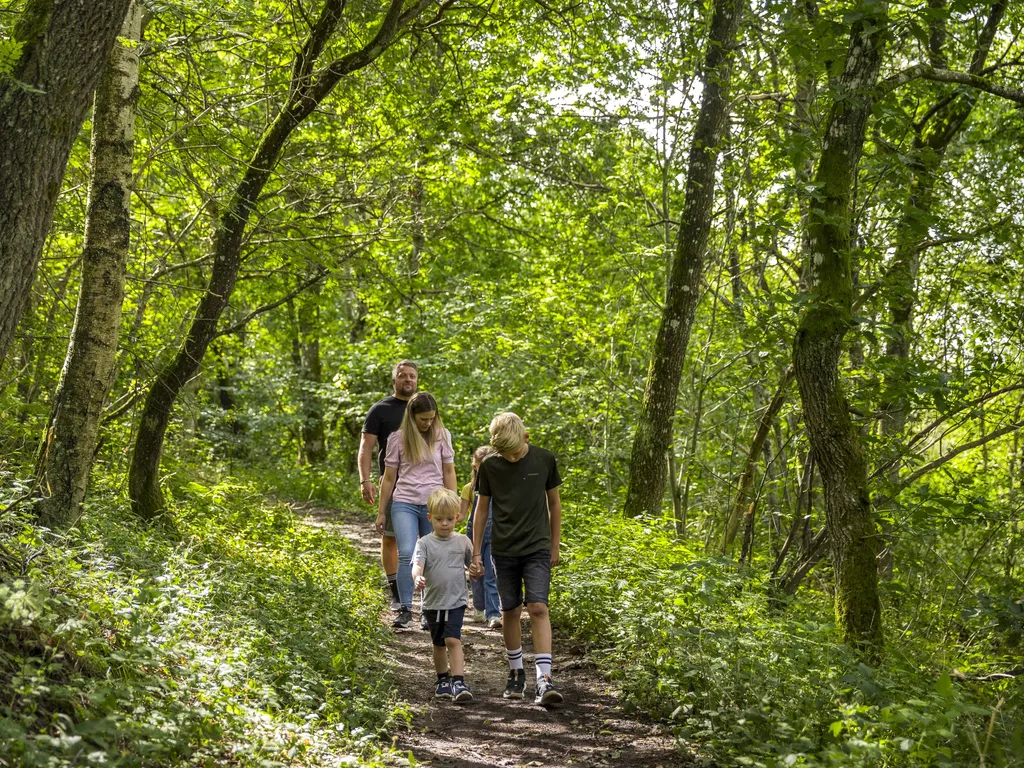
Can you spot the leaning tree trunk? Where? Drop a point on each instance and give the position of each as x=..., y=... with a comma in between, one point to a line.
x=69, y=444
x=308, y=88
x=658, y=409
x=65, y=45
x=819, y=337
x=946, y=119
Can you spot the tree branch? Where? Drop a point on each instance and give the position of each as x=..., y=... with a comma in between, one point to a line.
x=240, y=325
x=928, y=72
x=932, y=465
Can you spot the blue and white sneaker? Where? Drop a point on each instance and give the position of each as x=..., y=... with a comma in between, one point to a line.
x=461, y=693
x=443, y=689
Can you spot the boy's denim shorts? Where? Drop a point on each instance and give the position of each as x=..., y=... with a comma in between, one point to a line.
x=525, y=573
x=445, y=623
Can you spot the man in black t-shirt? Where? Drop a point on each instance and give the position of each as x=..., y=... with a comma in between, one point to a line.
x=519, y=485
x=383, y=418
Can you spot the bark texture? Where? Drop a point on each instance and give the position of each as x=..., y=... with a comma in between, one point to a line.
x=43, y=101
x=834, y=438
x=651, y=442
x=69, y=444
x=308, y=88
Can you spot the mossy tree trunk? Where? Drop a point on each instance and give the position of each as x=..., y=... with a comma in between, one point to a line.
x=308, y=88
x=64, y=48
x=828, y=315
x=69, y=444
x=653, y=436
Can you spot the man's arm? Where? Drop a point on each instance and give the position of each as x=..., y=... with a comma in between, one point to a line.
x=555, y=513
x=476, y=570
x=387, y=486
x=367, y=443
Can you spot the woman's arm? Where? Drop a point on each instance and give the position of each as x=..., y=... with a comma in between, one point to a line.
x=448, y=473
x=387, y=486
x=448, y=463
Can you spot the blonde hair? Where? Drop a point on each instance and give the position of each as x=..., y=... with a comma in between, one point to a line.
x=443, y=503
x=479, y=455
x=507, y=432
x=418, y=446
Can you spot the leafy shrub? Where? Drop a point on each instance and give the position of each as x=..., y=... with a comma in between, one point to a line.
x=238, y=637
x=694, y=639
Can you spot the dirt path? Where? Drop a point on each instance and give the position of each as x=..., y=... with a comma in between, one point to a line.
x=589, y=729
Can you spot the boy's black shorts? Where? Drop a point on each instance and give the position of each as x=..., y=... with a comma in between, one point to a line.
x=445, y=623
x=530, y=573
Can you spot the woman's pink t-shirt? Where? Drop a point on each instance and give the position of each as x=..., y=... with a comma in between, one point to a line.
x=417, y=481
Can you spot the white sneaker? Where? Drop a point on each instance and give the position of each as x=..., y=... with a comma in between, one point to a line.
x=478, y=617
x=396, y=606
x=495, y=623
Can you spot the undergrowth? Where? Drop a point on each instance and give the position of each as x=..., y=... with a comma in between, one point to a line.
x=693, y=639
x=233, y=635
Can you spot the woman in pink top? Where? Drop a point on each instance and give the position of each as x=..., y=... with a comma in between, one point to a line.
x=419, y=460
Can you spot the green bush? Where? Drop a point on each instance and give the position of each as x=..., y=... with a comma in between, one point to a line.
x=694, y=639
x=237, y=636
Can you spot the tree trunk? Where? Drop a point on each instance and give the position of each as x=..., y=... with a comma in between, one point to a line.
x=308, y=88
x=657, y=412
x=69, y=444
x=306, y=358
x=66, y=44
x=746, y=480
x=818, y=344
x=947, y=118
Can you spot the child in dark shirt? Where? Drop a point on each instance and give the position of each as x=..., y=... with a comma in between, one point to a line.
x=520, y=485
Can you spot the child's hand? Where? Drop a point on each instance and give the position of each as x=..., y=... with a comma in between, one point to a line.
x=476, y=569
x=421, y=583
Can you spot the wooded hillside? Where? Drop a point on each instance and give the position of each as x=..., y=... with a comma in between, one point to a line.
x=753, y=272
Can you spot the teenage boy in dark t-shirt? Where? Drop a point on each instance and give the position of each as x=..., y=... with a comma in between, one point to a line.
x=383, y=418
x=520, y=484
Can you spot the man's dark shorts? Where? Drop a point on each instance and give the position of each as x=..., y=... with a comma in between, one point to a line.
x=389, y=527
x=445, y=624
x=531, y=573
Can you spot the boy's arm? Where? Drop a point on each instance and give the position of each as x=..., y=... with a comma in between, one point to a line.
x=476, y=570
x=418, y=580
x=418, y=566
x=555, y=513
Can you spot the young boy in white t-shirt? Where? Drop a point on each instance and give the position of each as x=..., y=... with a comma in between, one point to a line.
x=439, y=565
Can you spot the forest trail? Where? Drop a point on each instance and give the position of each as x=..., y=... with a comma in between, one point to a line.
x=589, y=729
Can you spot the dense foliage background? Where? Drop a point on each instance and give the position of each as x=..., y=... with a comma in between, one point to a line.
x=498, y=198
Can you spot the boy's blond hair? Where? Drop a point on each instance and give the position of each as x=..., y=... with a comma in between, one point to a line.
x=443, y=503
x=507, y=432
